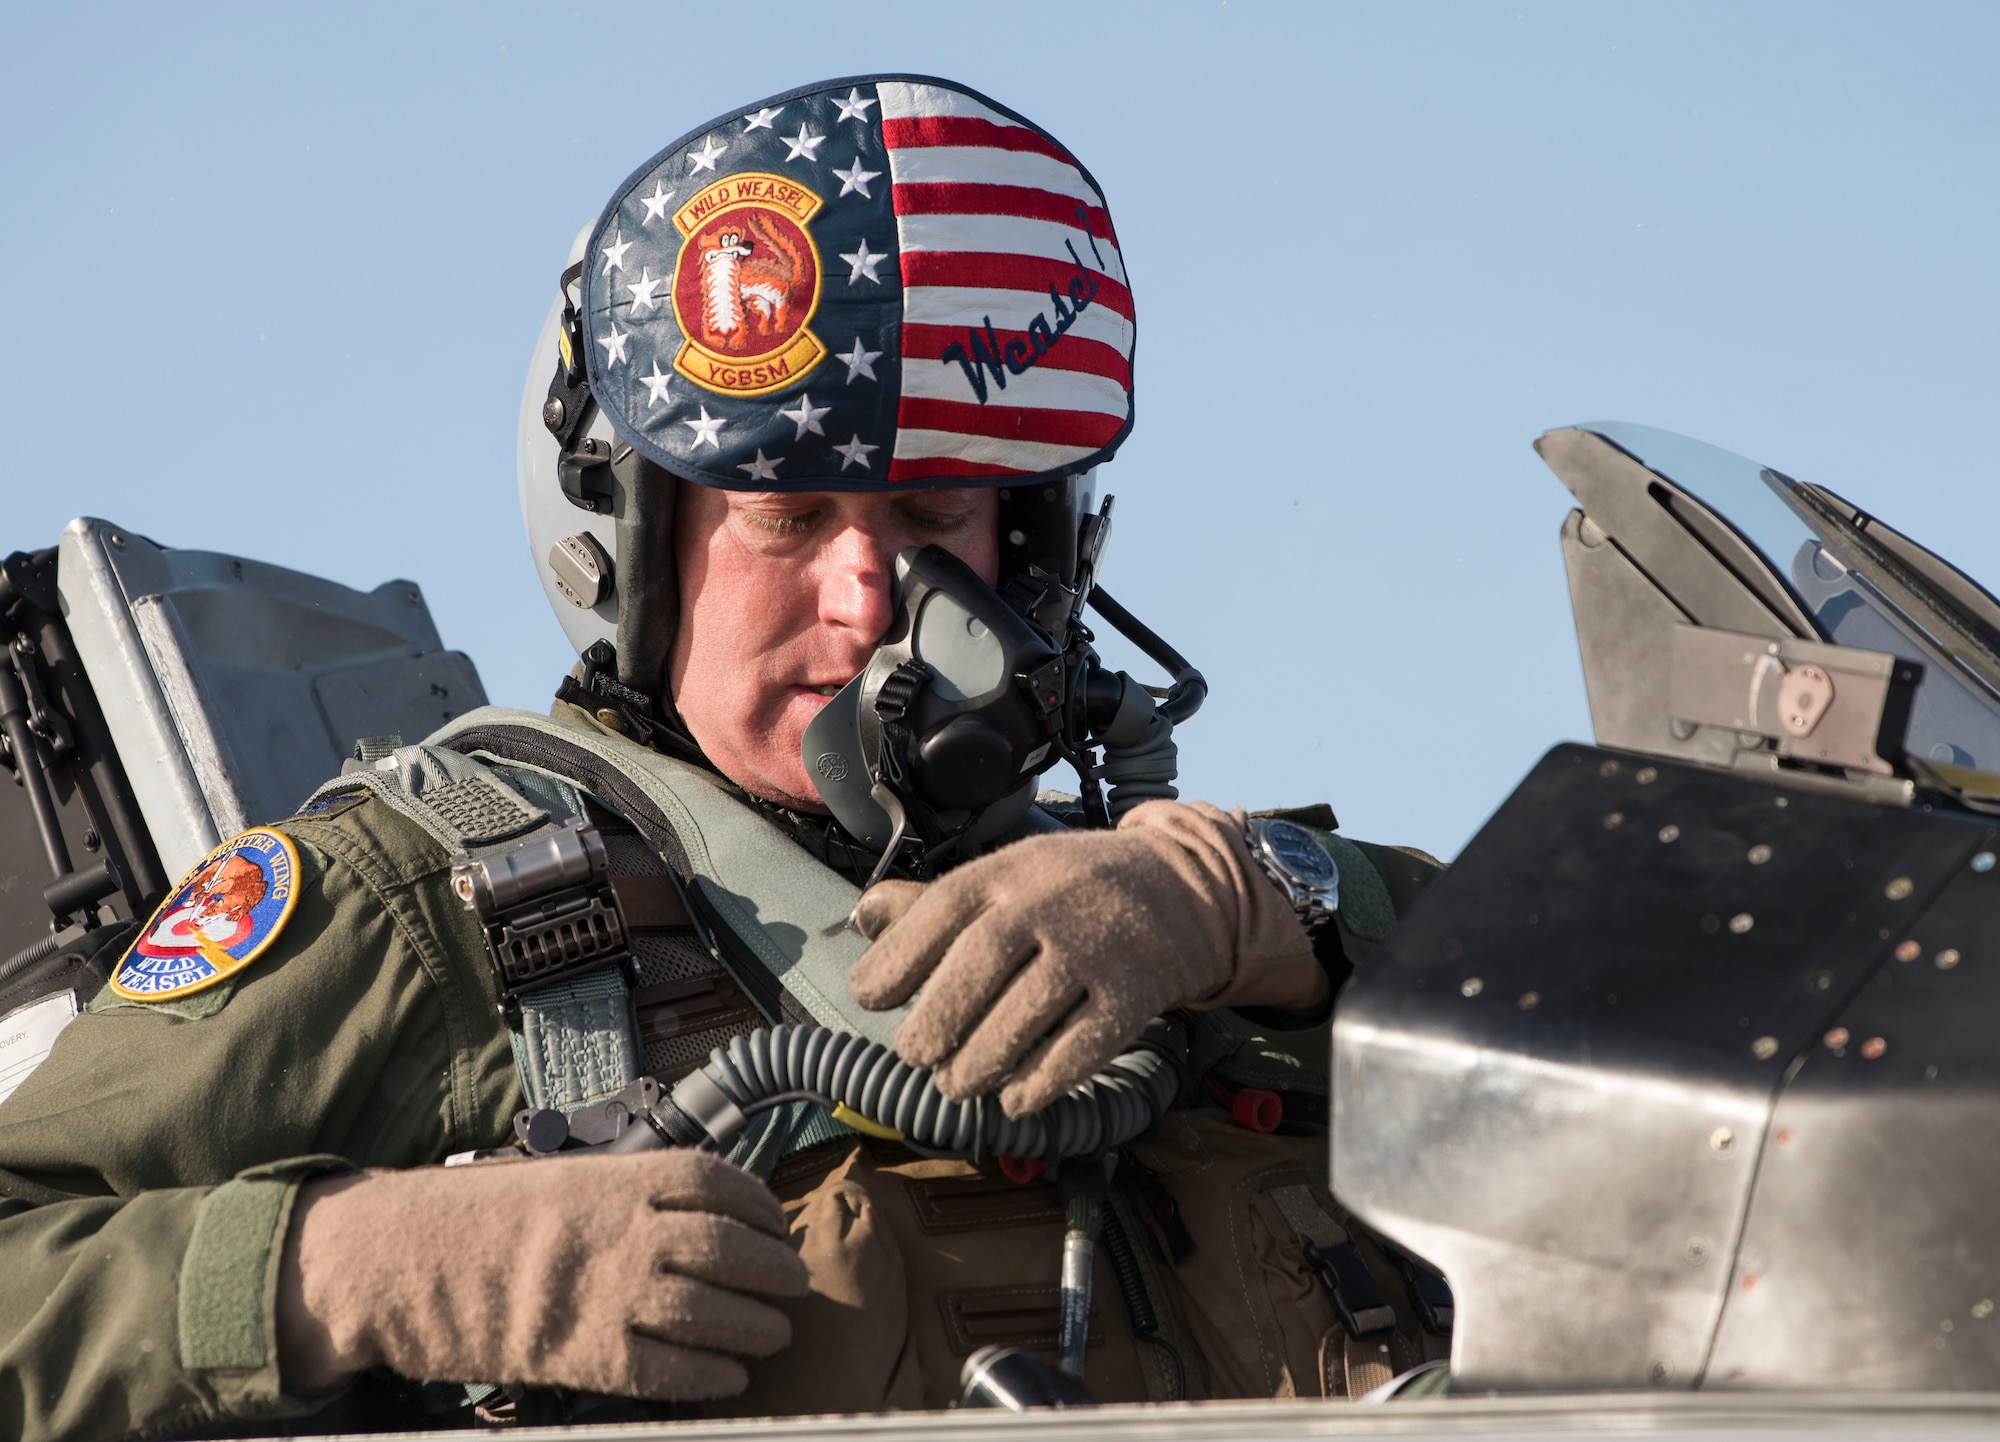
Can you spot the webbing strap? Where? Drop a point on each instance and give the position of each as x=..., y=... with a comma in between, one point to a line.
x=775, y=1134
x=578, y=1040
x=789, y=909
x=1332, y=1256
x=462, y=803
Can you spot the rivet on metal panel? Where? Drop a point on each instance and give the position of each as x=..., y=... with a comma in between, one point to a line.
x=1945, y=1325
x=1946, y=959
x=1983, y=1308
x=1609, y=768
x=1663, y=1371
x=1874, y=1047
x=1530, y=1000
x=1837, y=1038
x=1614, y=820
x=1742, y=922
x=1908, y=951
x=1783, y=1136
x=117, y=540
x=1822, y=980
x=1696, y=1252
x=1471, y=986
x=413, y=598
x=1983, y=861
x=1901, y=887
x=1930, y=1072
x=1764, y=1048
x=1758, y=854
x=1646, y=776
x=1670, y=833
x=1782, y=802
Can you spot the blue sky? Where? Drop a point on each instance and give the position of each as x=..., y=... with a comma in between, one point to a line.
x=273, y=275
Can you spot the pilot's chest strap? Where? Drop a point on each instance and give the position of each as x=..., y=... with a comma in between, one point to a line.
x=554, y=931
x=780, y=910
x=770, y=912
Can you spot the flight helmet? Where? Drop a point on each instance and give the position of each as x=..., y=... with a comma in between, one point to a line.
x=877, y=283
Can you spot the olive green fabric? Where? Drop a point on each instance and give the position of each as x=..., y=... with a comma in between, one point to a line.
x=148, y=1167
x=222, y=1306
x=138, y=1283
x=1377, y=885
x=229, y=1274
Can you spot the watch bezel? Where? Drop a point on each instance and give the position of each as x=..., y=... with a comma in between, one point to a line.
x=1314, y=900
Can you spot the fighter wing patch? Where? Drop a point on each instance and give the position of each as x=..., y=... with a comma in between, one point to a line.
x=216, y=922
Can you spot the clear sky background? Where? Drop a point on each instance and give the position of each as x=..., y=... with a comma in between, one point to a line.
x=272, y=276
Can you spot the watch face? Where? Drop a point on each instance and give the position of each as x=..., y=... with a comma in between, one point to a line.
x=1299, y=852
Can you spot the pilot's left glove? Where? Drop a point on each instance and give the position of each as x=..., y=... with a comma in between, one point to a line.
x=1043, y=960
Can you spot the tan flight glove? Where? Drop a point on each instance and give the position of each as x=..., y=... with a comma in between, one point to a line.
x=627, y=1275
x=1046, y=958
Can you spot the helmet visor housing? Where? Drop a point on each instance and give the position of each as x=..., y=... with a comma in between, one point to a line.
x=863, y=285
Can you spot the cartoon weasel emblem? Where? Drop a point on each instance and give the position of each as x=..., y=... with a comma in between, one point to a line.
x=746, y=283
x=745, y=277
x=216, y=922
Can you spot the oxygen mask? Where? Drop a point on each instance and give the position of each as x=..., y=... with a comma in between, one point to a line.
x=974, y=693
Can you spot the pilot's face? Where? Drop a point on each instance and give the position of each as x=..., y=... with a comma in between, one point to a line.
x=783, y=599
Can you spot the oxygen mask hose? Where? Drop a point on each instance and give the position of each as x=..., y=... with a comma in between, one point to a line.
x=866, y=1086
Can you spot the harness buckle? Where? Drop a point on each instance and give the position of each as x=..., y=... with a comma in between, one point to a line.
x=1356, y=1298
x=546, y=906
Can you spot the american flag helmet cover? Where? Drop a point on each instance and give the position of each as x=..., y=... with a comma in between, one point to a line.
x=865, y=284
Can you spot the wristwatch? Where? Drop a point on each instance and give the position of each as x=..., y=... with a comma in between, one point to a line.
x=1298, y=865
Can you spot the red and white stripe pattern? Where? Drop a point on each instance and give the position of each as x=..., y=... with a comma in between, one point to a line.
x=986, y=223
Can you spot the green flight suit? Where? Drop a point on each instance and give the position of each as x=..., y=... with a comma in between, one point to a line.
x=147, y=1168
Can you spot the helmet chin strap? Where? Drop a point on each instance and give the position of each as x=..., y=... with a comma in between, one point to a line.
x=648, y=580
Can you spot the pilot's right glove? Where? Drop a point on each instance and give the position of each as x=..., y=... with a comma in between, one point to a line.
x=629, y=1275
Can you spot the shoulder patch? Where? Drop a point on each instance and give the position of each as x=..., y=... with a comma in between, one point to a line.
x=216, y=922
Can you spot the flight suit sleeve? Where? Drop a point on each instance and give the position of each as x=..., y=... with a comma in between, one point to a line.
x=147, y=1168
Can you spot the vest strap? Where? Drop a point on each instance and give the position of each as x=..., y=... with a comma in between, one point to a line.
x=575, y=1038
x=578, y=1040
x=784, y=912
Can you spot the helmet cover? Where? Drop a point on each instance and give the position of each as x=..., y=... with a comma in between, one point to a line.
x=861, y=285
